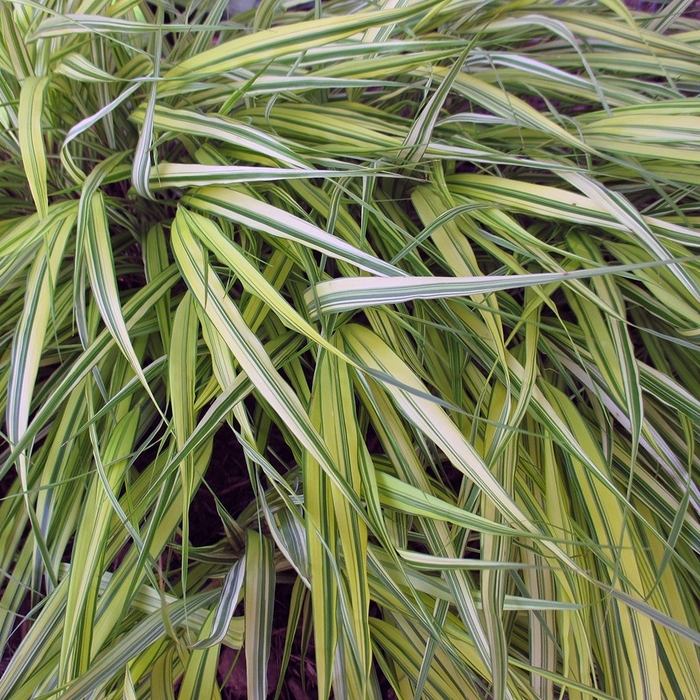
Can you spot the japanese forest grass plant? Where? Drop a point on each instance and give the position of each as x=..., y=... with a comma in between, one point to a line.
x=433, y=265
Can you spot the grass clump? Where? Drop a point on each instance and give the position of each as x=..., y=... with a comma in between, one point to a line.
x=420, y=279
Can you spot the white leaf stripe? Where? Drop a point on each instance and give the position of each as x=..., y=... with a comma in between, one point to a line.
x=141, y=166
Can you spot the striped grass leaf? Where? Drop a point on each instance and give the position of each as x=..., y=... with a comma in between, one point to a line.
x=85, y=23
x=510, y=236
x=637, y=65
x=8, y=118
x=353, y=130
x=620, y=209
x=440, y=538
x=495, y=548
x=652, y=443
x=84, y=125
x=280, y=41
x=182, y=369
x=509, y=107
x=164, y=511
x=14, y=592
x=551, y=202
x=88, y=554
x=149, y=600
x=659, y=284
x=406, y=652
x=259, y=605
x=134, y=310
x=90, y=186
x=250, y=353
x=156, y=261
x=276, y=274
x=207, y=21
x=166, y=175
x=338, y=426
x=31, y=331
x=543, y=653
x=24, y=233
x=289, y=533
x=612, y=349
x=609, y=522
x=539, y=404
x=428, y=417
x=440, y=614
x=62, y=460
x=380, y=60
x=622, y=34
x=298, y=598
x=100, y=265
x=281, y=350
x=225, y=373
x=15, y=47
x=181, y=121
x=272, y=85
x=199, y=679
x=230, y=595
x=321, y=540
x=162, y=678
x=29, y=657
x=78, y=67
x=531, y=68
x=129, y=689
x=682, y=670
x=213, y=238
x=145, y=633
x=28, y=343
x=421, y=131
x=401, y=496
x=346, y=293
x=665, y=389
x=245, y=210
x=31, y=139
x=648, y=136
x=397, y=588
x=153, y=371
x=557, y=150
x=141, y=165
x=140, y=667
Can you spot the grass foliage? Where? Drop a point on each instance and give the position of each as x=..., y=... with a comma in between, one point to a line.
x=434, y=264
